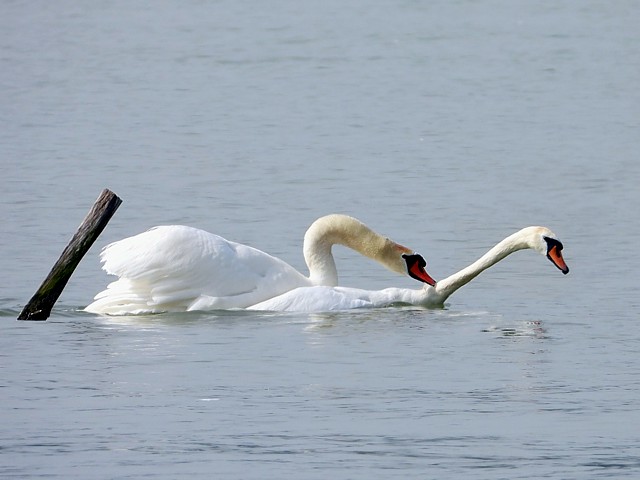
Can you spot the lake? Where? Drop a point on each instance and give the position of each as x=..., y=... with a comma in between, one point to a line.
x=444, y=125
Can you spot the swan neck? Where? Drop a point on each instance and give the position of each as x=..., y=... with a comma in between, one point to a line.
x=342, y=230
x=506, y=247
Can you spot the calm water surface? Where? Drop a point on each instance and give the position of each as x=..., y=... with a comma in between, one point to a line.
x=445, y=125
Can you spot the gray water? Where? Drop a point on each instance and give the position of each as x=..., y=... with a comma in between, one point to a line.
x=445, y=125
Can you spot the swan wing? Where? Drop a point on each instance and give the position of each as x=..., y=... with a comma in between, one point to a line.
x=183, y=268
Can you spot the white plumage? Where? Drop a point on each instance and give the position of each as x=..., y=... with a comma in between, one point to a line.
x=323, y=298
x=179, y=268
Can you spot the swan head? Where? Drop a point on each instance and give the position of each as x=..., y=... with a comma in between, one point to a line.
x=416, y=265
x=401, y=259
x=546, y=243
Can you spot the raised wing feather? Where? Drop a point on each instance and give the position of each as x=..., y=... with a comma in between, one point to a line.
x=179, y=267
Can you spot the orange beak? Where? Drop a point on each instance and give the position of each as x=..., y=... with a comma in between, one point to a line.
x=416, y=269
x=555, y=255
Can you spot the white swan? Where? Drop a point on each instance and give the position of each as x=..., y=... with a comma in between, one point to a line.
x=319, y=298
x=179, y=268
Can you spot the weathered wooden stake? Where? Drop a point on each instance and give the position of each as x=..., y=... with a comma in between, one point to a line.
x=40, y=305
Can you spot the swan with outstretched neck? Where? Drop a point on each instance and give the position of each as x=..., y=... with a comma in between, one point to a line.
x=316, y=299
x=179, y=268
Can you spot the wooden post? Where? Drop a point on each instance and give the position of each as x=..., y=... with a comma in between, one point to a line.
x=40, y=305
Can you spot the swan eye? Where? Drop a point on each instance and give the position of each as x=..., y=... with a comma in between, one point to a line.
x=414, y=259
x=553, y=242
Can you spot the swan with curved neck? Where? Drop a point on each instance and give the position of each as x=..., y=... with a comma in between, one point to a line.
x=179, y=268
x=313, y=299
x=539, y=239
x=337, y=229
